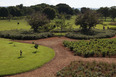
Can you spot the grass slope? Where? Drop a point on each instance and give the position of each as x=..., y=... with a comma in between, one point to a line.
x=10, y=25
x=10, y=63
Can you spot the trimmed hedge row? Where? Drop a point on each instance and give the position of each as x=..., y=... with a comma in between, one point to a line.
x=95, y=35
x=24, y=35
x=112, y=28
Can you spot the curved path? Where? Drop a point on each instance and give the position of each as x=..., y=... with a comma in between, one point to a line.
x=62, y=58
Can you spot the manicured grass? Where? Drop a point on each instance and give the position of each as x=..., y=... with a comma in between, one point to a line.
x=88, y=69
x=93, y=48
x=12, y=63
x=10, y=25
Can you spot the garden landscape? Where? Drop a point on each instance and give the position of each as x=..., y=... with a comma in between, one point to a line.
x=47, y=40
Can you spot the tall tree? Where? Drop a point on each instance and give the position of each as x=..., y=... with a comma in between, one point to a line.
x=84, y=10
x=4, y=12
x=50, y=12
x=76, y=11
x=113, y=12
x=64, y=8
x=15, y=11
x=37, y=21
x=87, y=20
x=104, y=11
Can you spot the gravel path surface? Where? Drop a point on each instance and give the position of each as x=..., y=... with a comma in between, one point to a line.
x=62, y=58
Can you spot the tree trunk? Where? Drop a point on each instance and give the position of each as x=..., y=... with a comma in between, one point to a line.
x=105, y=18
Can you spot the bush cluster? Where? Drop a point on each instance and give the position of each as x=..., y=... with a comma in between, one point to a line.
x=112, y=28
x=88, y=69
x=112, y=23
x=92, y=34
x=24, y=35
x=93, y=48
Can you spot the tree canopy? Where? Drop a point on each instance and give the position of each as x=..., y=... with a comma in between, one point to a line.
x=37, y=21
x=64, y=8
x=50, y=12
x=87, y=20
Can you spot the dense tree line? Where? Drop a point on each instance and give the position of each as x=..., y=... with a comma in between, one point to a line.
x=20, y=10
x=108, y=12
x=52, y=11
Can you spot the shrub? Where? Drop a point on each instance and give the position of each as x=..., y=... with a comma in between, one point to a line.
x=93, y=48
x=83, y=69
x=92, y=34
x=112, y=23
x=112, y=28
x=36, y=46
x=24, y=35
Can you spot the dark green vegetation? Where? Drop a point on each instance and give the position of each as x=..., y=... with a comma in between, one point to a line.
x=95, y=33
x=13, y=62
x=24, y=34
x=87, y=20
x=93, y=48
x=37, y=21
x=88, y=69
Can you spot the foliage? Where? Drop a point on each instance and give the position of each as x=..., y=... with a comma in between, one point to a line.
x=104, y=11
x=50, y=12
x=113, y=12
x=36, y=46
x=11, y=63
x=93, y=34
x=37, y=21
x=15, y=11
x=87, y=20
x=88, y=69
x=97, y=48
x=64, y=9
x=68, y=17
x=84, y=10
x=113, y=28
x=112, y=23
x=4, y=12
x=24, y=35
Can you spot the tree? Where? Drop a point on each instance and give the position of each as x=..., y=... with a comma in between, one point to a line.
x=64, y=9
x=4, y=12
x=50, y=12
x=61, y=22
x=113, y=12
x=76, y=11
x=87, y=20
x=37, y=21
x=15, y=11
x=104, y=11
x=84, y=10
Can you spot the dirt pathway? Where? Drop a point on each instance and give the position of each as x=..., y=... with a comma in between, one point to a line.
x=62, y=58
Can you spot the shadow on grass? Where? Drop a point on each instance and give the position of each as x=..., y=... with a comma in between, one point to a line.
x=35, y=52
x=20, y=57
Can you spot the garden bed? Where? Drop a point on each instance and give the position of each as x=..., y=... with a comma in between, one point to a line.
x=94, y=34
x=93, y=48
x=24, y=35
x=88, y=69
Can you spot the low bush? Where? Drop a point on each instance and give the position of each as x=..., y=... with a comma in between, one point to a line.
x=93, y=48
x=112, y=23
x=112, y=28
x=92, y=34
x=88, y=69
x=24, y=35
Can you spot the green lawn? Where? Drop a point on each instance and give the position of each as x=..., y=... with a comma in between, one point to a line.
x=11, y=63
x=9, y=25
